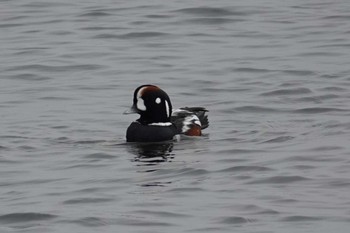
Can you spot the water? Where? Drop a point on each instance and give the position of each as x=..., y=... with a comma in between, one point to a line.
x=274, y=75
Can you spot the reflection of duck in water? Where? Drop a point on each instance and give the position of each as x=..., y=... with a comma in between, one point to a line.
x=157, y=122
x=152, y=152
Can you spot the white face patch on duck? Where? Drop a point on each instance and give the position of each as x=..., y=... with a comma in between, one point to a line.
x=140, y=103
x=158, y=100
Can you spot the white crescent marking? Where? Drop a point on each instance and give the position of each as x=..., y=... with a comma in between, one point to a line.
x=167, y=108
x=140, y=103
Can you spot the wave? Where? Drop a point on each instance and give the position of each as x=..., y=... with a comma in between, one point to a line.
x=25, y=217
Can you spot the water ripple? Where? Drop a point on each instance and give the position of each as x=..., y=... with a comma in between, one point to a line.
x=252, y=70
x=246, y=168
x=294, y=91
x=210, y=11
x=235, y=220
x=316, y=110
x=140, y=35
x=95, y=13
x=57, y=68
x=28, y=76
x=100, y=156
x=211, y=20
x=87, y=200
x=318, y=98
x=302, y=73
x=91, y=221
x=6, y=161
x=301, y=218
x=161, y=214
x=279, y=180
x=256, y=109
x=279, y=139
x=25, y=217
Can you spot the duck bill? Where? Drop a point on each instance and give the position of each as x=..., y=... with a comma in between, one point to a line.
x=131, y=110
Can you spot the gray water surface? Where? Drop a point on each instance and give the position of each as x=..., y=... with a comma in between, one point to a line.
x=275, y=76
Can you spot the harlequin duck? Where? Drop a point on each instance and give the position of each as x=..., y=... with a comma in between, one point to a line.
x=157, y=122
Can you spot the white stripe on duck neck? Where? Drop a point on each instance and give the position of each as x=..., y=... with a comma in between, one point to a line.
x=161, y=124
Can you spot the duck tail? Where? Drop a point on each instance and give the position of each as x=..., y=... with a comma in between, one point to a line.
x=201, y=113
x=190, y=120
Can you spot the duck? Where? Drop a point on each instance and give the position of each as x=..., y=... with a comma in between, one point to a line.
x=158, y=122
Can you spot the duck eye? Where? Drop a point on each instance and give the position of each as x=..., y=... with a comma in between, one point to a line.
x=158, y=100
